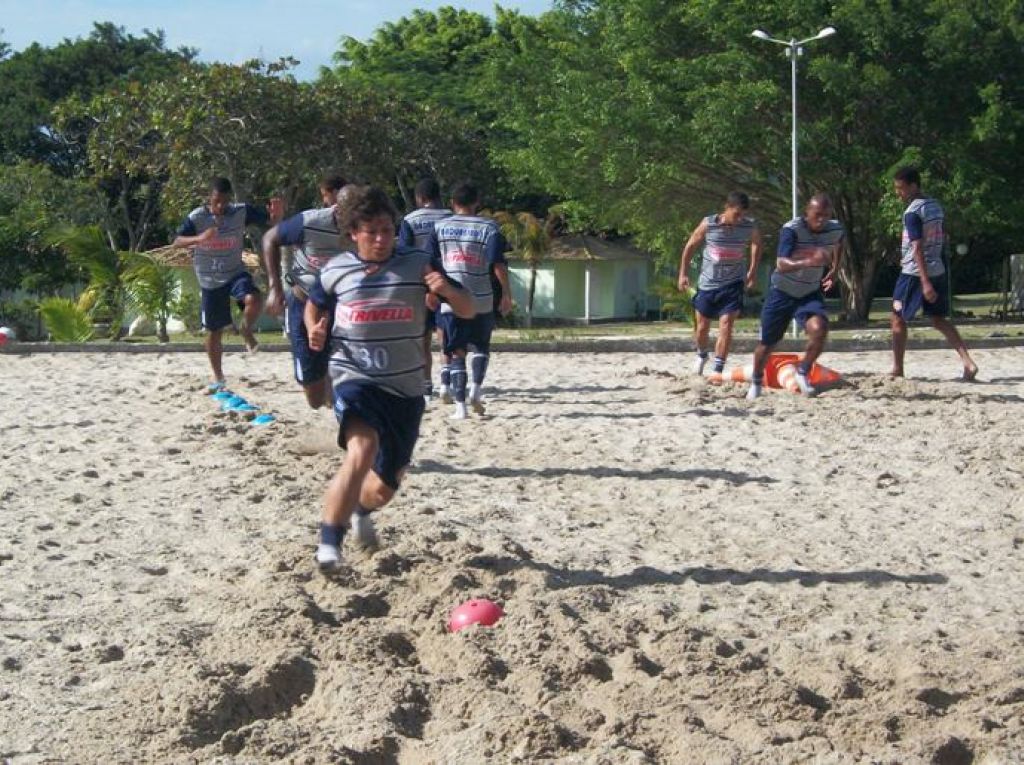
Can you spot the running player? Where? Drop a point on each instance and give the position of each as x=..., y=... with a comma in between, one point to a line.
x=470, y=248
x=376, y=295
x=215, y=232
x=808, y=257
x=415, y=232
x=921, y=285
x=315, y=235
x=723, y=276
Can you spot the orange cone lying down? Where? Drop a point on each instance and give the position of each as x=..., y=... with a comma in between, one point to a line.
x=780, y=372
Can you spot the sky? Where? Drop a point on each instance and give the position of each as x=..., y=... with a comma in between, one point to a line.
x=229, y=30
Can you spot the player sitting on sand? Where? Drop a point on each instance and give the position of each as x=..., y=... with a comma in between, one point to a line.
x=377, y=297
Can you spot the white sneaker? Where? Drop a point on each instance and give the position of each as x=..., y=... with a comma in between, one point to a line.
x=805, y=386
x=328, y=557
x=460, y=412
x=753, y=392
x=364, y=531
x=476, y=399
x=446, y=395
x=698, y=364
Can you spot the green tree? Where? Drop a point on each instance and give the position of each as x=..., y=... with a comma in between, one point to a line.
x=126, y=156
x=34, y=80
x=530, y=240
x=34, y=200
x=642, y=114
x=427, y=58
x=106, y=296
x=153, y=289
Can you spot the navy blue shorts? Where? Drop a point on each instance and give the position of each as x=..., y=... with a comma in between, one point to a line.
x=908, y=297
x=216, y=302
x=460, y=334
x=780, y=308
x=395, y=418
x=310, y=366
x=719, y=302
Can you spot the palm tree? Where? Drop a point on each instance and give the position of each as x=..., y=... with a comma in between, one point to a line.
x=530, y=239
x=106, y=295
x=153, y=288
x=64, y=320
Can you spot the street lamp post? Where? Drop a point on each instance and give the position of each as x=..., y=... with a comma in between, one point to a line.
x=794, y=49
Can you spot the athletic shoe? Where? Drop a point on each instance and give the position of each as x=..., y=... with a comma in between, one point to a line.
x=364, y=531
x=460, y=412
x=328, y=557
x=698, y=364
x=446, y=395
x=753, y=392
x=804, y=385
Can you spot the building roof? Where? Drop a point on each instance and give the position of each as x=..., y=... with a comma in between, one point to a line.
x=585, y=247
x=181, y=257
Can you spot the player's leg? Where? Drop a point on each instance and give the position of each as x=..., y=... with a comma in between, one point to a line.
x=939, y=313
x=816, y=327
x=244, y=291
x=400, y=428
x=952, y=335
x=483, y=328
x=215, y=316
x=813, y=317
x=459, y=379
x=701, y=333
x=899, y=343
x=215, y=354
x=309, y=366
x=726, y=322
x=906, y=301
x=342, y=496
x=776, y=314
x=428, y=359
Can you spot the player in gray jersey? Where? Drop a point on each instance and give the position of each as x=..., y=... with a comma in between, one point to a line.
x=317, y=238
x=415, y=231
x=471, y=249
x=376, y=295
x=921, y=285
x=808, y=257
x=215, y=233
x=724, y=275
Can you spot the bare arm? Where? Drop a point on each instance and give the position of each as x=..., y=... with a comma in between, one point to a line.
x=315, y=319
x=193, y=241
x=460, y=299
x=917, y=251
x=501, y=272
x=272, y=264
x=695, y=240
x=830, y=276
x=756, y=245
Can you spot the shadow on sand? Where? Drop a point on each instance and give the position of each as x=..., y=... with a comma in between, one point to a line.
x=654, y=474
x=645, y=576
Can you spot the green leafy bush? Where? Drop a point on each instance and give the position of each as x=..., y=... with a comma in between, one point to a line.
x=65, y=321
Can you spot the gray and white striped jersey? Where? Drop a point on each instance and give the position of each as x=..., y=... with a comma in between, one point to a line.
x=796, y=240
x=725, y=248
x=219, y=260
x=467, y=246
x=379, y=316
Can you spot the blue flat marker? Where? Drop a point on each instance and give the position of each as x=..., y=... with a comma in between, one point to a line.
x=263, y=419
